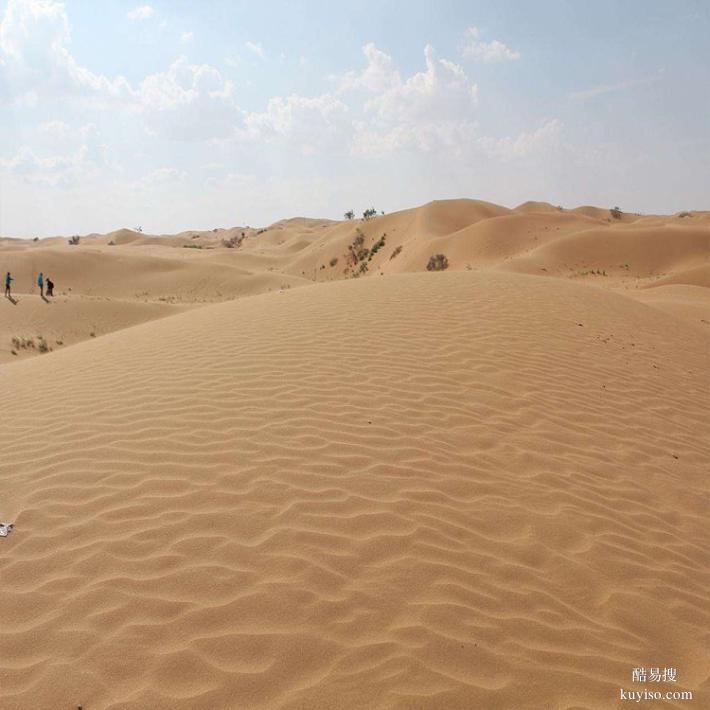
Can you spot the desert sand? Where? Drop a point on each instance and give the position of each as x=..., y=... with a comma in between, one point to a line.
x=242, y=478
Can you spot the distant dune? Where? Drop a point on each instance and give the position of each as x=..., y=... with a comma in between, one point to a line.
x=245, y=479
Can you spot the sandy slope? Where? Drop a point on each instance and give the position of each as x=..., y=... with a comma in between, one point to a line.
x=459, y=490
x=64, y=320
x=484, y=489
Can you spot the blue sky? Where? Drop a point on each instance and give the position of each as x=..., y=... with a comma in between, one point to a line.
x=179, y=115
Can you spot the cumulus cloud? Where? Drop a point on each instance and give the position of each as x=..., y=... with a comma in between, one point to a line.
x=35, y=60
x=144, y=12
x=475, y=48
x=379, y=75
x=86, y=160
x=256, y=48
x=543, y=139
x=307, y=123
x=189, y=102
x=430, y=109
x=187, y=37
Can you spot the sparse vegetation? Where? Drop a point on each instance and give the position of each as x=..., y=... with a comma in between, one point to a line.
x=112, y=243
x=233, y=242
x=371, y=212
x=356, y=251
x=334, y=261
x=376, y=247
x=74, y=241
x=36, y=239
x=396, y=252
x=615, y=212
x=192, y=246
x=438, y=262
x=24, y=343
x=349, y=214
x=684, y=214
x=21, y=343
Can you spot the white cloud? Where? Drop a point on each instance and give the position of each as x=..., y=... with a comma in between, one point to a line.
x=307, y=123
x=256, y=48
x=144, y=12
x=546, y=138
x=428, y=110
x=379, y=75
x=35, y=61
x=475, y=48
x=189, y=102
x=187, y=37
x=85, y=162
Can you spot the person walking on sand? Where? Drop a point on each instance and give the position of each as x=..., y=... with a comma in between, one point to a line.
x=8, y=282
x=40, y=283
x=50, y=287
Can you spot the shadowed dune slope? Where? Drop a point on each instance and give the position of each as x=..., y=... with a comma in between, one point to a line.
x=459, y=490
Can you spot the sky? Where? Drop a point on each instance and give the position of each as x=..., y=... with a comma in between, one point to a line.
x=181, y=115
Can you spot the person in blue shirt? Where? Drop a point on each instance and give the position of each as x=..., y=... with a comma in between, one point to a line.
x=40, y=283
x=8, y=282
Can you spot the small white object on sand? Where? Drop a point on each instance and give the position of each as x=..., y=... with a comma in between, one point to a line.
x=5, y=529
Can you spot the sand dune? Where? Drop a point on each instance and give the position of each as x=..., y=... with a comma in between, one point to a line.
x=473, y=489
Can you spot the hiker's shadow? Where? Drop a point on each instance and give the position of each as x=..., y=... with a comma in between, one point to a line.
x=45, y=299
x=13, y=300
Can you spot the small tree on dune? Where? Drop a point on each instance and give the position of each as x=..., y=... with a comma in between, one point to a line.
x=349, y=214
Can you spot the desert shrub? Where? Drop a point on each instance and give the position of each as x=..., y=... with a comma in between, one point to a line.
x=73, y=241
x=349, y=214
x=112, y=243
x=684, y=214
x=42, y=345
x=233, y=242
x=356, y=251
x=36, y=239
x=615, y=212
x=334, y=261
x=371, y=212
x=438, y=262
x=192, y=246
x=377, y=246
x=21, y=343
x=396, y=252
